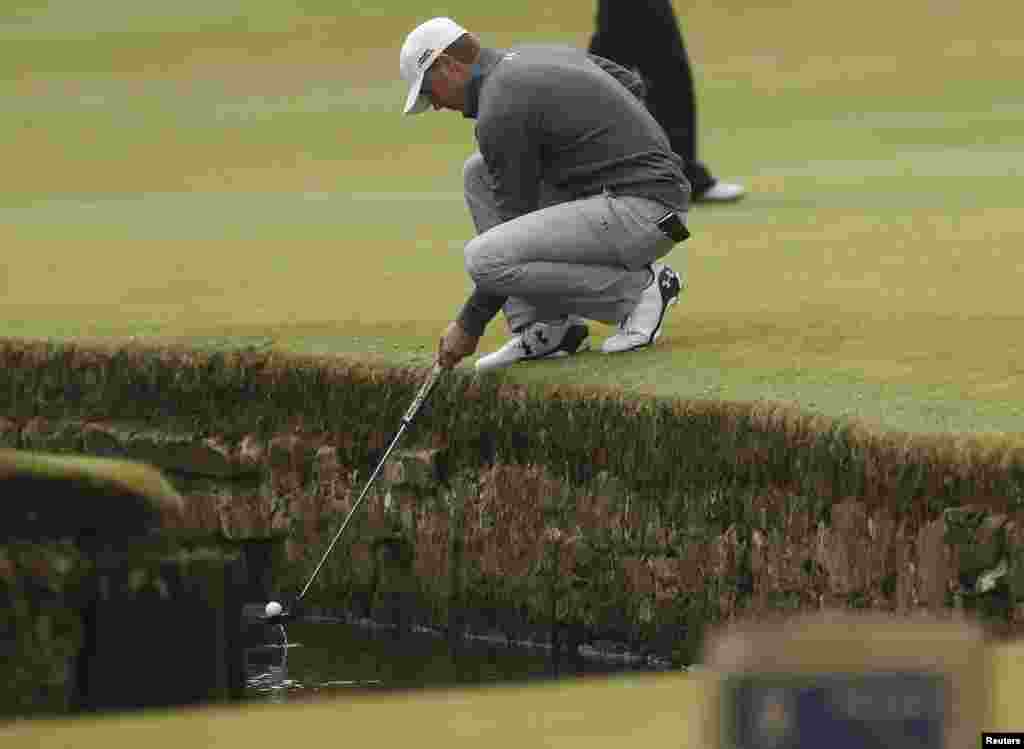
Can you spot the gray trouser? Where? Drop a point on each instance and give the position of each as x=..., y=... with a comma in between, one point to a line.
x=585, y=258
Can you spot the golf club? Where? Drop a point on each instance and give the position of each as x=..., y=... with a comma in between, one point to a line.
x=417, y=403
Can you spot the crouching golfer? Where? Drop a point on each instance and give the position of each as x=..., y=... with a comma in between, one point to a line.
x=575, y=194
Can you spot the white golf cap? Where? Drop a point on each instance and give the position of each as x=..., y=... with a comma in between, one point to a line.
x=420, y=49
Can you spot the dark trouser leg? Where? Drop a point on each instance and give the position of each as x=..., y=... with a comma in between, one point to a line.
x=645, y=35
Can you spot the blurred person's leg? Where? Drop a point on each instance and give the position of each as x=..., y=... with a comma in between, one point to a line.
x=644, y=35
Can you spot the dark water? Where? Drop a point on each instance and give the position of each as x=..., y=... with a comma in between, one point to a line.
x=325, y=657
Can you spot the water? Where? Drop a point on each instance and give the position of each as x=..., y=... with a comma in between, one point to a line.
x=325, y=657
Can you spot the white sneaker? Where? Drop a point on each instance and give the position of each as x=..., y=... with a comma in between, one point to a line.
x=721, y=192
x=539, y=340
x=643, y=326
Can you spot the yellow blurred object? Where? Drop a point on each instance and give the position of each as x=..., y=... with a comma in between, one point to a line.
x=649, y=710
x=860, y=672
x=590, y=713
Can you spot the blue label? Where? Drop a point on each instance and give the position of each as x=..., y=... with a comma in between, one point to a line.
x=836, y=711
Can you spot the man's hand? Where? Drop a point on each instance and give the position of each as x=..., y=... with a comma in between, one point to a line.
x=456, y=344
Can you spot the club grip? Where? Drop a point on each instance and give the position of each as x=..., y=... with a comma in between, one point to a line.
x=421, y=396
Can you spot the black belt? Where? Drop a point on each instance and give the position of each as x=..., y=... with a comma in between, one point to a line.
x=672, y=226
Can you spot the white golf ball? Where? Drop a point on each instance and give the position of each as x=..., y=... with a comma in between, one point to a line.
x=274, y=609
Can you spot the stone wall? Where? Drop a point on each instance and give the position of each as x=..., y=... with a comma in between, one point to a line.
x=109, y=599
x=512, y=550
x=555, y=512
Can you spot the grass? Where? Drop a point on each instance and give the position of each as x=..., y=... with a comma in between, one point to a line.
x=192, y=173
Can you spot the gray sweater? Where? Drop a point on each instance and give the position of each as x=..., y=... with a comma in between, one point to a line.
x=572, y=120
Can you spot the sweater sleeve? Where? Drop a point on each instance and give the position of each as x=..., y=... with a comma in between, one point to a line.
x=510, y=146
x=479, y=310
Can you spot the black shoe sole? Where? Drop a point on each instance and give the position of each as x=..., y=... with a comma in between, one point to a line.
x=572, y=342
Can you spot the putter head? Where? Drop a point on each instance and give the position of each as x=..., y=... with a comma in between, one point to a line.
x=289, y=613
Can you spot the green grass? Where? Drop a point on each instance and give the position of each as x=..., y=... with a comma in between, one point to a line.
x=189, y=173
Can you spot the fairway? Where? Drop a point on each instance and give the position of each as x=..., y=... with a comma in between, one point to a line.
x=237, y=173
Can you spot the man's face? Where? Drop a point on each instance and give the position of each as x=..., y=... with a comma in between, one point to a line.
x=445, y=83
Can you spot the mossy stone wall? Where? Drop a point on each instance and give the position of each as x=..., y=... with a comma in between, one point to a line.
x=109, y=599
x=572, y=512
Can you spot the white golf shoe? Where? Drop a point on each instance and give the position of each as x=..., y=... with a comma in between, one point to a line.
x=643, y=325
x=721, y=192
x=539, y=340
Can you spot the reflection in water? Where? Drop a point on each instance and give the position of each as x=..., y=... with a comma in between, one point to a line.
x=263, y=675
x=316, y=657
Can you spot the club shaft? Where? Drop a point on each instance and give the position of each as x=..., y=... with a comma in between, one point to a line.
x=421, y=397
